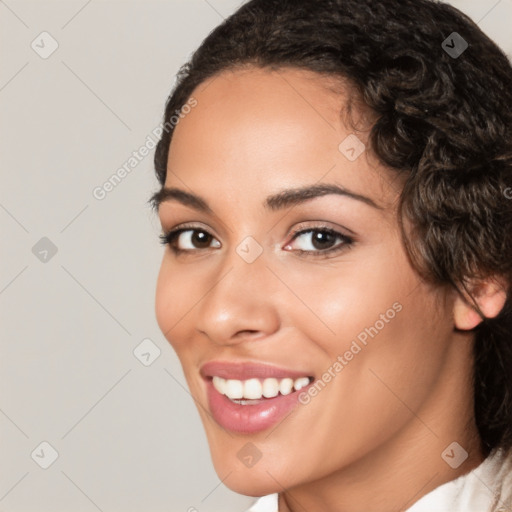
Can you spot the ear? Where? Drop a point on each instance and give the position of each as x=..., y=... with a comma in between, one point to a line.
x=489, y=295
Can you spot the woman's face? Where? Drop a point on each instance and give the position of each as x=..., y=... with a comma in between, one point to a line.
x=272, y=285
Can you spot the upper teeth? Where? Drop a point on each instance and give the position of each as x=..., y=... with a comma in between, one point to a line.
x=256, y=389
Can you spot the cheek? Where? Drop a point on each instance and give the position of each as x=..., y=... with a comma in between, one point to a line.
x=350, y=296
x=390, y=329
x=379, y=381
x=174, y=298
x=164, y=307
x=394, y=372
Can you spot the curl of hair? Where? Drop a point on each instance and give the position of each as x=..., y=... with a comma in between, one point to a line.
x=444, y=124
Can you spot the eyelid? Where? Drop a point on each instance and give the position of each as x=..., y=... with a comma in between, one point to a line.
x=345, y=242
x=169, y=237
x=185, y=226
x=301, y=229
x=319, y=225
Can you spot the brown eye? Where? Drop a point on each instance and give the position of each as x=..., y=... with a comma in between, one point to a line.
x=200, y=239
x=322, y=240
x=319, y=240
x=189, y=239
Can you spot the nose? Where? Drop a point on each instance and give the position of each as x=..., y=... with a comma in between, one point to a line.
x=241, y=302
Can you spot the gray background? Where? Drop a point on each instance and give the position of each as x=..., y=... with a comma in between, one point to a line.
x=128, y=435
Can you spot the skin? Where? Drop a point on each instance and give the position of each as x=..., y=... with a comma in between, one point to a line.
x=384, y=420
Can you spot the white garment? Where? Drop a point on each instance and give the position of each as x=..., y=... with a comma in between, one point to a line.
x=487, y=488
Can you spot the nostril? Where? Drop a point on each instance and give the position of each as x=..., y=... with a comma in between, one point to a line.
x=250, y=333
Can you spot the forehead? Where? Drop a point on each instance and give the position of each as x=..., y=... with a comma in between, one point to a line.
x=255, y=101
x=277, y=127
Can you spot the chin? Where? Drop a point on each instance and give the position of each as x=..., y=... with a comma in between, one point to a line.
x=249, y=484
x=250, y=481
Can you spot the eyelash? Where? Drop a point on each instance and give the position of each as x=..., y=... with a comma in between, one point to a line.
x=171, y=237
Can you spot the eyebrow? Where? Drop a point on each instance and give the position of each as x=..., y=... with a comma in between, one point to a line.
x=279, y=201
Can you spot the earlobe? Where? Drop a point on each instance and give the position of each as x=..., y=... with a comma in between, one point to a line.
x=490, y=297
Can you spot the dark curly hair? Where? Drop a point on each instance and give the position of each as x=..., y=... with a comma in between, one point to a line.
x=443, y=122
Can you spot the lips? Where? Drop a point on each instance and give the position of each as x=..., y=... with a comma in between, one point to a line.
x=247, y=370
x=247, y=397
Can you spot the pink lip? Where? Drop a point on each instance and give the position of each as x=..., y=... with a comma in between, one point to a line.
x=248, y=419
x=247, y=370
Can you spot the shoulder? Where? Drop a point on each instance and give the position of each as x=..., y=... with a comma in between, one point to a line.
x=487, y=488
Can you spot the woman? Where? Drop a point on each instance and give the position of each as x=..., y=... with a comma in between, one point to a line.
x=338, y=271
